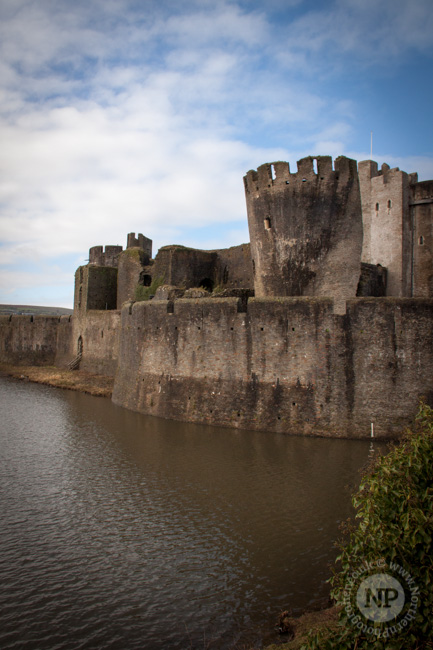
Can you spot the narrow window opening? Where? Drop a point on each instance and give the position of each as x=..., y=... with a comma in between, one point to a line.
x=273, y=175
x=315, y=165
x=377, y=207
x=267, y=223
x=421, y=240
x=102, y=334
x=389, y=204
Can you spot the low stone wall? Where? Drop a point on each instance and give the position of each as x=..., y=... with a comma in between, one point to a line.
x=30, y=340
x=287, y=365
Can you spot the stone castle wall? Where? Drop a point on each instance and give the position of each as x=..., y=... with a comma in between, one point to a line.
x=303, y=357
x=421, y=207
x=305, y=228
x=95, y=288
x=131, y=263
x=285, y=365
x=99, y=334
x=234, y=268
x=387, y=223
x=35, y=340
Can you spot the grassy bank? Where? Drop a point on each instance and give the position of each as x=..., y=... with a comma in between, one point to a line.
x=84, y=382
x=303, y=626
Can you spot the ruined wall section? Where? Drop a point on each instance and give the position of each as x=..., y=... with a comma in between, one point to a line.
x=131, y=264
x=141, y=242
x=184, y=267
x=95, y=288
x=305, y=228
x=387, y=223
x=421, y=207
x=288, y=365
x=234, y=268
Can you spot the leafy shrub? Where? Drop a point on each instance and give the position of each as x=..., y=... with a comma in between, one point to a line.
x=144, y=293
x=394, y=505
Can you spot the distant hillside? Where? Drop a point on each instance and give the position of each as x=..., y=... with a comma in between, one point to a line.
x=31, y=310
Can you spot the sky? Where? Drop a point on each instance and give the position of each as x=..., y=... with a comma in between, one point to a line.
x=121, y=116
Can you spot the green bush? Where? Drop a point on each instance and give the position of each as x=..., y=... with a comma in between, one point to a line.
x=144, y=293
x=394, y=506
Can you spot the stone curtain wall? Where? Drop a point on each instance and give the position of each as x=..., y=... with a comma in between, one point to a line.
x=305, y=228
x=286, y=365
x=99, y=331
x=53, y=340
x=34, y=340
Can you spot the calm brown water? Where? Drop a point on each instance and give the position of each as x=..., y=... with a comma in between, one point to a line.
x=127, y=532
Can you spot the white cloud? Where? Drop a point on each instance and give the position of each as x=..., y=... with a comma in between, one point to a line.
x=117, y=116
x=371, y=32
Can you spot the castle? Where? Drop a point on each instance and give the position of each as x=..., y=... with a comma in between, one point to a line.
x=322, y=325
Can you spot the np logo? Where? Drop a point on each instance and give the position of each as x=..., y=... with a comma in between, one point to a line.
x=380, y=597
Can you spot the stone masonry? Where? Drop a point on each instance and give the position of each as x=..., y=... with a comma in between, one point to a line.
x=339, y=335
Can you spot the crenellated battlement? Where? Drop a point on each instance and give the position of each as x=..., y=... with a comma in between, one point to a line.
x=305, y=227
x=386, y=174
x=317, y=169
x=104, y=257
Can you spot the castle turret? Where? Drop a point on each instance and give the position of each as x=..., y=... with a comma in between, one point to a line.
x=388, y=229
x=421, y=207
x=108, y=257
x=305, y=228
x=132, y=262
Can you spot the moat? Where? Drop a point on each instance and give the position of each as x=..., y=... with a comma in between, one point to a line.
x=120, y=530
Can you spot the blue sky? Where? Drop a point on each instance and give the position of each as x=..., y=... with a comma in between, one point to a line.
x=122, y=116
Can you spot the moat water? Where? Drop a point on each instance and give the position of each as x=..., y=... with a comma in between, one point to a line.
x=128, y=532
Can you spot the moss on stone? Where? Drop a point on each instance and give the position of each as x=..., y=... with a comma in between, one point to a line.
x=134, y=253
x=144, y=293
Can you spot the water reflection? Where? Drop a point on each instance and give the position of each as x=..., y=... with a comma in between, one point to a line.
x=126, y=531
